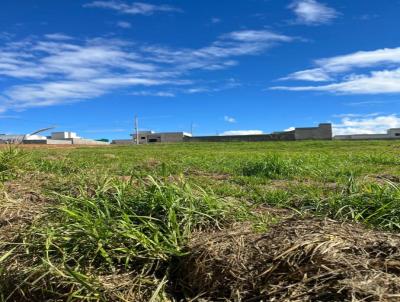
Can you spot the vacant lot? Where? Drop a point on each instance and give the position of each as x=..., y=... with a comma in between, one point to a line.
x=295, y=221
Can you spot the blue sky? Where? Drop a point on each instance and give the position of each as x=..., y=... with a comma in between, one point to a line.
x=243, y=66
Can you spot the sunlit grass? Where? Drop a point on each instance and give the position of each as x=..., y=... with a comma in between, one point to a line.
x=118, y=218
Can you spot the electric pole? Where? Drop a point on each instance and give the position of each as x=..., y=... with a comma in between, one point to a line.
x=137, y=130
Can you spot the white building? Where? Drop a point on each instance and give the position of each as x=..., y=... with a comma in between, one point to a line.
x=393, y=133
x=63, y=135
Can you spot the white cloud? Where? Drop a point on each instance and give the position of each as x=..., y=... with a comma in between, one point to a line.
x=365, y=124
x=211, y=87
x=135, y=8
x=311, y=12
x=289, y=129
x=218, y=55
x=370, y=102
x=5, y=35
x=215, y=20
x=196, y=90
x=55, y=71
x=58, y=36
x=328, y=67
x=124, y=24
x=358, y=115
x=229, y=119
x=313, y=75
x=340, y=71
x=152, y=93
x=241, y=132
x=257, y=36
x=50, y=93
x=377, y=82
x=360, y=59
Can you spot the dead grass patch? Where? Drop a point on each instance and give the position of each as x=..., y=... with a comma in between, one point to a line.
x=384, y=178
x=21, y=202
x=281, y=184
x=297, y=260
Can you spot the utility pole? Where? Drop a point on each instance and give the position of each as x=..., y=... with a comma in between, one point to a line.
x=191, y=128
x=137, y=130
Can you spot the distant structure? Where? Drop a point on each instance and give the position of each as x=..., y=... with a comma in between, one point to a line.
x=56, y=138
x=148, y=137
x=322, y=132
x=19, y=138
x=392, y=133
x=64, y=135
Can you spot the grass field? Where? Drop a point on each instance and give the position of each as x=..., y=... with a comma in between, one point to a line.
x=273, y=221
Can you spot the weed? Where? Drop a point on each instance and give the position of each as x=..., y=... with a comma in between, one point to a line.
x=12, y=161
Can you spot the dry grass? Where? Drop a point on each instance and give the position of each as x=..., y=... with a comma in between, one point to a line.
x=20, y=203
x=297, y=260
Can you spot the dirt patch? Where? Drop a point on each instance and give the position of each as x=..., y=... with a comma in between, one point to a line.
x=296, y=260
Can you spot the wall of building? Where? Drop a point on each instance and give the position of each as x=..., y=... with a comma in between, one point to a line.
x=81, y=141
x=171, y=137
x=63, y=135
x=123, y=142
x=47, y=142
x=283, y=136
x=394, y=132
x=364, y=137
x=162, y=137
x=322, y=132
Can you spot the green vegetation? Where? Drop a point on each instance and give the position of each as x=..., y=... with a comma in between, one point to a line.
x=112, y=223
x=11, y=161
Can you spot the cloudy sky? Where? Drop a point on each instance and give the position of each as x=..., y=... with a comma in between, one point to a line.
x=243, y=66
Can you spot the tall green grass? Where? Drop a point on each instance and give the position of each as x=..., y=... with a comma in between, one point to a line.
x=271, y=166
x=133, y=227
x=12, y=161
x=373, y=204
x=377, y=205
